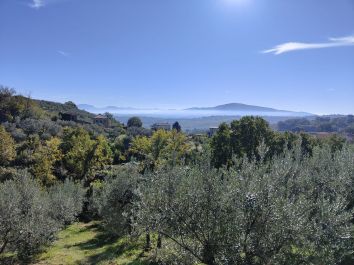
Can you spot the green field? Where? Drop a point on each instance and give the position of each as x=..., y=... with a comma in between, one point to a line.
x=83, y=243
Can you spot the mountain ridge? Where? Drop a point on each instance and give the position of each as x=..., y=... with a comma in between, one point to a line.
x=229, y=107
x=245, y=107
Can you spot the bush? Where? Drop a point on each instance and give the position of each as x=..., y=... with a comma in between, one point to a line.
x=113, y=199
x=30, y=216
x=26, y=219
x=66, y=201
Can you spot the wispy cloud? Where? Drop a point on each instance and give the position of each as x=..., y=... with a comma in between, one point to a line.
x=65, y=54
x=37, y=4
x=295, y=46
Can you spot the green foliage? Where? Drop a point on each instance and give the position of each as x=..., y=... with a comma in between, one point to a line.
x=221, y=146
x=285, y=211
x=335, y=141
x=45, y=159
x=240, y=139
x=82, y=154
x=134, y=122
x=333, y=124
x=7, y=147
x=12, y=106
x=30, y=215
x=120, y=148
x=159, y=141
x=71, y=105
x=88, y=243
x=161, y=148
x=113, y=199
x=67, y=200
x=26, y=221
x=141, y=147
x=176, y=126
x=77, y=148
x=247, y=134
x=102, y=154
x=243, y=137
x=177, y=148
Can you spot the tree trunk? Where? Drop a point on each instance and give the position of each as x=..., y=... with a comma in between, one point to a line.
x=2, y=249
x=208, y=255
x=159, y=241
x=148, y=241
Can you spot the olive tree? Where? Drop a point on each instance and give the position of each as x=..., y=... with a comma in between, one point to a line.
x=66, y=201
x=30, y=216
x=113, y=199
x=25, y=222
x=291, y=210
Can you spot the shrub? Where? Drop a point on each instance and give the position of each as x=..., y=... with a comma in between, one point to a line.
x=113, y=199
x=26, y=223
x=66, y=201
x=30, y=216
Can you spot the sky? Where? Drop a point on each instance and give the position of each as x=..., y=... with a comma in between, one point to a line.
x=294, y=55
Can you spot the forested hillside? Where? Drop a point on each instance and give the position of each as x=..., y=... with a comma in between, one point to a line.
x=247, y=195
x=339, y=124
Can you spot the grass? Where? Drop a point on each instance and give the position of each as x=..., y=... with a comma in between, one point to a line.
x=83, y=243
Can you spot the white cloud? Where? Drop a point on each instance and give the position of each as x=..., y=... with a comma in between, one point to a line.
x=295, y=46
x=37, y=4
x=65, y=54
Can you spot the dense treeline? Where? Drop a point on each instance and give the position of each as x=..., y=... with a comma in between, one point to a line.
x=338, y=124
x=246, y=196
x=243, y=137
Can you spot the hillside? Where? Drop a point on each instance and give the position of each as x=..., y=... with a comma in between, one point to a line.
x=24, y=116
x=332, y=124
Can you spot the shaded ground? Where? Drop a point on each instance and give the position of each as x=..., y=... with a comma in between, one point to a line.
x=88, y=244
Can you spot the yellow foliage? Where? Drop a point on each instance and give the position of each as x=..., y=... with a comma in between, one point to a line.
x=7, y=147
x=141, y=146
x=45, y=158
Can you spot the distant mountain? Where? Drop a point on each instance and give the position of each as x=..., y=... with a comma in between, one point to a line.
x=95, y=109
x=239, y=107
x=232, y=109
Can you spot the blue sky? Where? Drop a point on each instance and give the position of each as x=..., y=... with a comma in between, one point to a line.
x=181, y=53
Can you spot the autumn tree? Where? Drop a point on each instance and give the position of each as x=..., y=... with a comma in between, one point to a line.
x=101, y=154
x=177, y=147
x=7, y=147
x=83, y=154
x=141, y=147
x=45, y=159
x=77, y=146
